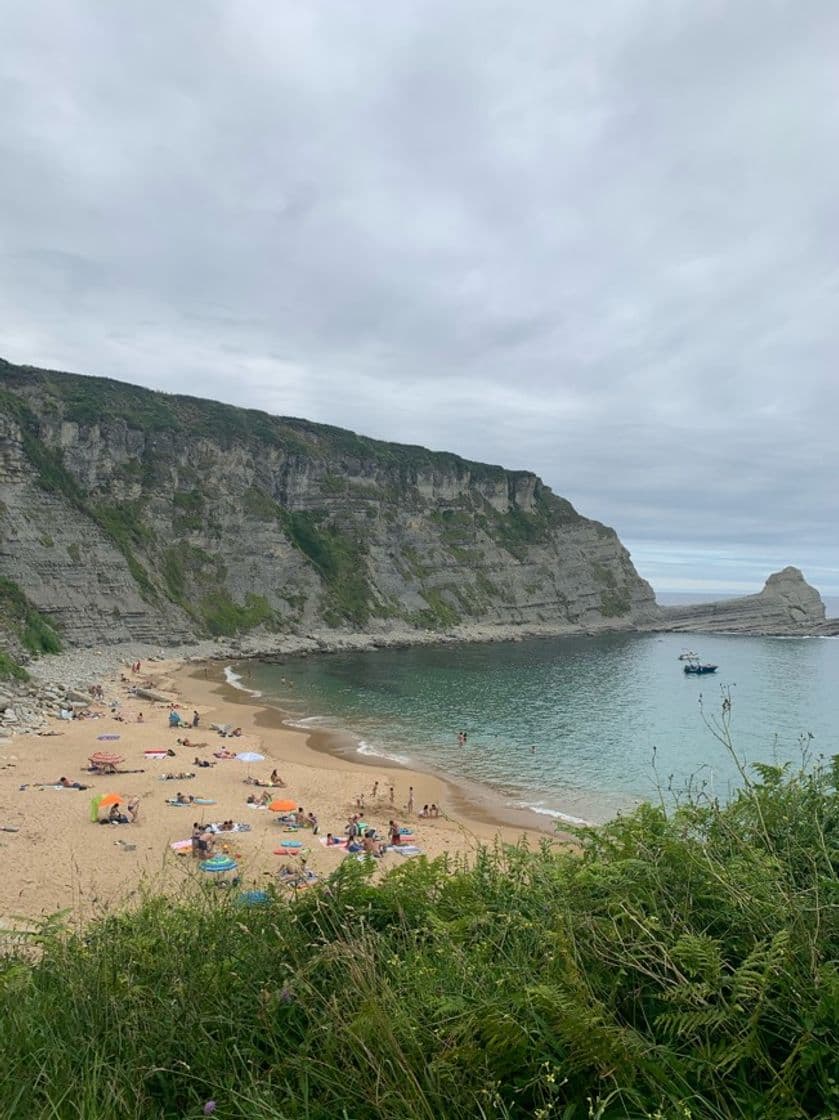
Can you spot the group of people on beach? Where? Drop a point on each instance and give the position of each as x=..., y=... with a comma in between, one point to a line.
x=117, y=816
x=358, y=838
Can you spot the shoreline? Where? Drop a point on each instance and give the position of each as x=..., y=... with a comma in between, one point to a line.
x=57, y=859
x=474, y=802
x=327, y=747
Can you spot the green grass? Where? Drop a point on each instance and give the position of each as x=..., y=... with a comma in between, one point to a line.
x=16, y=611
x=682, y=967
x=256, y=503
x=223, y=616
x=189, y=509
x=11, y=670
x=340, y=558
x=123, y=523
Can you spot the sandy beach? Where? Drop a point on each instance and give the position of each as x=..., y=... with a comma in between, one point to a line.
x=60, y=859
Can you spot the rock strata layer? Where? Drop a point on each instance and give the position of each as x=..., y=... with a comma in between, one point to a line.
x=787, y=606
x=128, y=515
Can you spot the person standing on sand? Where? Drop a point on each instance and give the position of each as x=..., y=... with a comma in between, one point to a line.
x=375, y=792
x=410, y=805
x=195, y=718
x=391, y=794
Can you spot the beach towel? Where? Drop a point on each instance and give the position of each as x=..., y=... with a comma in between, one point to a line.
x=107, y=738
x=203, y=801
x=326, y=844
x=181, y=845
x=156, y=754
x=239, y=826
x=405, y=849
x=253, y=898
x=291, y=843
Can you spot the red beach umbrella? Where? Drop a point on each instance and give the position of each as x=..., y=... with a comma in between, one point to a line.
x=105, y=760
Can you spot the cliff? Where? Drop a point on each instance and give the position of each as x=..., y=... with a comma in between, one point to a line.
x=787, y=605
x=129, y=514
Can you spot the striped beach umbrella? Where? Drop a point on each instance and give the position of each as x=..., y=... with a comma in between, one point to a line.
x=105, y=760
x=218, y=864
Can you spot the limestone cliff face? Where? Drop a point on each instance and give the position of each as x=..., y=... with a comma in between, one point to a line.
x=787, y=605
x=129, y=514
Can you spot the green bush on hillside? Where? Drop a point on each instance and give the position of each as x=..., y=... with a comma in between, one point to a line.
x=16, y=611
x=11, y=670
x=341, y=561
x=683, y=966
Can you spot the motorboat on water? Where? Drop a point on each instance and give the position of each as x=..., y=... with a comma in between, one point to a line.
x=698, y=667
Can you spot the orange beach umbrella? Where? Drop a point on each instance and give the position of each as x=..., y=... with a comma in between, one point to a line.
x=282, y=806
x=110, y=799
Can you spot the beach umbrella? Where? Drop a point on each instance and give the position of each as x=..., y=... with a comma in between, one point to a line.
x=218, y=864
x=110, y=799
x=282, y=806
x=250, y=756
x=104, y=760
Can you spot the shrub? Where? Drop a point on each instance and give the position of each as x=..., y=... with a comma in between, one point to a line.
x=683, y=965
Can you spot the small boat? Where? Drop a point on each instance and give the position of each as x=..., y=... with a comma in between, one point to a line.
x=688, y=655
x=698, y=667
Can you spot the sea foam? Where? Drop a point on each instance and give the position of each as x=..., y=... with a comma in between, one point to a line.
x=234, y=679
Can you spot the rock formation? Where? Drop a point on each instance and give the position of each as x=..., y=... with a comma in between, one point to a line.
x=127, y=514
x=787, y=605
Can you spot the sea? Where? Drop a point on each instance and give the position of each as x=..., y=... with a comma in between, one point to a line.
x=576, y=728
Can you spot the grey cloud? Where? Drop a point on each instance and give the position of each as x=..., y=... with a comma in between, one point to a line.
x=592, y=240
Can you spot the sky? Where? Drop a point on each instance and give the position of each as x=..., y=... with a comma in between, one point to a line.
x=597, y=241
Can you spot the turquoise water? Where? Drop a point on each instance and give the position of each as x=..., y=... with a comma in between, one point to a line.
x=576, y=726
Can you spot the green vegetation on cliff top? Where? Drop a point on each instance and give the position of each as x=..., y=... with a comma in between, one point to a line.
x=684, y=966
x=89, y=400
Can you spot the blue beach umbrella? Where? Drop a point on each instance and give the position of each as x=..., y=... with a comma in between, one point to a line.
x=218, y=864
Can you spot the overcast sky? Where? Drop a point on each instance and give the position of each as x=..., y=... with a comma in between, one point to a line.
x=596, y=240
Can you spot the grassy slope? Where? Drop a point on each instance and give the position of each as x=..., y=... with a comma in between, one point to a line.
x=684, y=966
